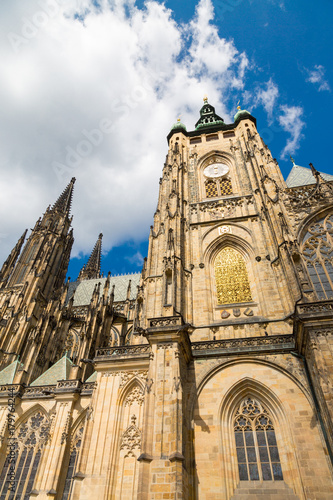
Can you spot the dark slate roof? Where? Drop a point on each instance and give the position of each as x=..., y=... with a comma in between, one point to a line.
x=302, y=176
x=84, y=289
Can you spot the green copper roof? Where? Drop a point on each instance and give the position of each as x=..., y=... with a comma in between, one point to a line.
x=59, y=371
x=178, y=125
x=302, y=176
x=92, y=378
x=208, y=117
x=7, y=374
x=241, y=112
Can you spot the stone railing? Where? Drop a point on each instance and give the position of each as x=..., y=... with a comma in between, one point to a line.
x=243, y=345
x=322, y=307
x=129, y=351
x=41, y=391
x=88, y=387
x=167, y=321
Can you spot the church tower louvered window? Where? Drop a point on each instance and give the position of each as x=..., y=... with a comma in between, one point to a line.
x=256, y=446
x=31, y=439
x=232, y=282
x=318, y=253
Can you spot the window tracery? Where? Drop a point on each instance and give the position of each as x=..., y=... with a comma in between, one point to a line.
x=32, y=436
x=256, y=446
x=73, y=462
x=232, y=282
x=317, y=250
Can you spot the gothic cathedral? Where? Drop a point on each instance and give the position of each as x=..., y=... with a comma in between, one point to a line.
x=207, y=376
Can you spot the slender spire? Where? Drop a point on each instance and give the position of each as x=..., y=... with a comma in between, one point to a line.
x=63, y=203
x=92, y=269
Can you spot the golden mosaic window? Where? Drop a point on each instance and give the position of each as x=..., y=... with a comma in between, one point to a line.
x=216, y=188
x=232, y=282
x=31, y=439
x=211, y=189
x=318, y=253
x=225, y=187
x=256, y=446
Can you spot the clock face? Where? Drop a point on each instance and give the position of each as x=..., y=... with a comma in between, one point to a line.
x=216, y=170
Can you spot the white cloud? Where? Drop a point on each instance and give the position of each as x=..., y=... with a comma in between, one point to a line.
x=92, y=92
x=136, y=259
x=291, y=121
x=317, y=76
x=67, y=67
x=267, y=97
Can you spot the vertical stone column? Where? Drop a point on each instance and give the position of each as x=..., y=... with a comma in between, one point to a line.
x=162, y=473
x=52, y=461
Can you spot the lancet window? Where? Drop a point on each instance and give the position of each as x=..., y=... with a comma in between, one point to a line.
x=317, y=250
x=256, y=446
x=73, y=463
x=20, y=467
x=232, y=282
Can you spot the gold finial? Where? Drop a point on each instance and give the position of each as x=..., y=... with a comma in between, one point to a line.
x=205, y=99
x=178, y=119
x=238, y=106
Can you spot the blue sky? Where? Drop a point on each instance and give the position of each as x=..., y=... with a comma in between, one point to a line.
x=68, y=66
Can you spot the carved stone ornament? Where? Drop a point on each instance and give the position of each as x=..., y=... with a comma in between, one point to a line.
x=135, y=396
x=131, y=438
x=225, y=314
x=127, y=376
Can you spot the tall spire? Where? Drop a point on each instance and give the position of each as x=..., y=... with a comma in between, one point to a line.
x=92, y=269
x=63, y=203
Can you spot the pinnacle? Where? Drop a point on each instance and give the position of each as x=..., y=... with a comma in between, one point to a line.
x=92, y=269
x=63, y=203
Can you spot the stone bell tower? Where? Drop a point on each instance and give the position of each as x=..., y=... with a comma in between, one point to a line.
x=32, y=279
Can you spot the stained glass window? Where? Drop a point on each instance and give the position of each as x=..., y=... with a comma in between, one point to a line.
x=31, y=438
x=73, y=461
x=256, y=446
x=232, y=282
x=318, y=252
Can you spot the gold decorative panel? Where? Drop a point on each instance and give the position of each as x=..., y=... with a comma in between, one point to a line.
x=211, y=189
x=232, y=282
x=226, y=187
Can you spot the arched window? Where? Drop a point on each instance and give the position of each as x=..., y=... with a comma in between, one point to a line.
x=21, y=469
x=232, y=282
x=317, y=250
x=256, y=446
x=73, y=462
